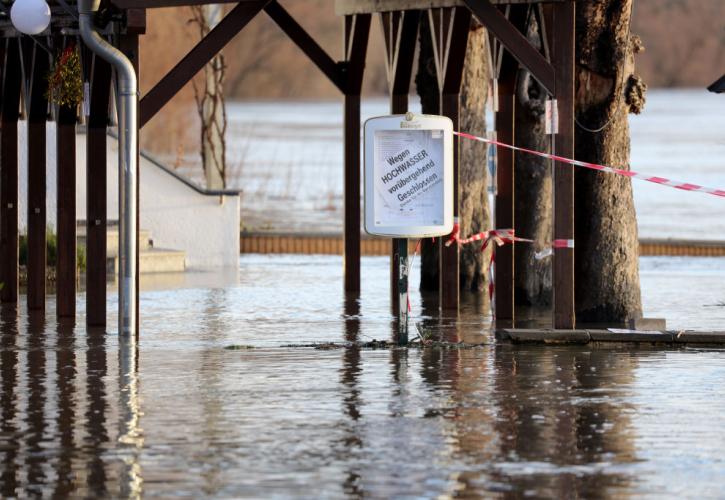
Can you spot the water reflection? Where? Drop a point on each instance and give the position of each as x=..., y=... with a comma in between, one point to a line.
x=561, y=422
x=96, y=421
x=349, y=379
x=9, y=432
x=130, y=434
x=66, y=414
x=36, y=461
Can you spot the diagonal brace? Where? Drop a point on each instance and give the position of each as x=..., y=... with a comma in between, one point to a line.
x=514, y=41
x=197, y=58
x=305, y=42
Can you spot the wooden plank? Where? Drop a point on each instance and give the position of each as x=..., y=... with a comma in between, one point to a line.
x=96, y=181
x=305, y=42
x=357, y=30
x=38, y=111
x=197, y=58
x=563, y=270
x=349, y=7
x=514, y=41
x=11, y=84
x=66, y=213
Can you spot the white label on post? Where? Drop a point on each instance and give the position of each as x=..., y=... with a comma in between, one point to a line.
x=86, y=99
x=551, y=117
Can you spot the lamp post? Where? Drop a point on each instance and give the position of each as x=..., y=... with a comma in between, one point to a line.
x=32, y=17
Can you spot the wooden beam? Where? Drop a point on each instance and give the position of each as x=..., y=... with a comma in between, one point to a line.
x=37, y=116
x=198, y=57
x=349, y=7
x=505, y=119
x=66, y=213
x=514, y=41
x=305, y=42
x=563, y=271
x=11, y=85
x=449, y=30
x=400, y=32
x=356, y=33
x=96, y=181
x=157, y=4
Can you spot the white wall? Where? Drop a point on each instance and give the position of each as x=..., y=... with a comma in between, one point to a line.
x=206, y=227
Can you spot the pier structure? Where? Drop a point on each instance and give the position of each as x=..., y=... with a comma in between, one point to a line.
x=25, y=63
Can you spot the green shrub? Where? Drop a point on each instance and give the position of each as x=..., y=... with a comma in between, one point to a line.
x=51, y=247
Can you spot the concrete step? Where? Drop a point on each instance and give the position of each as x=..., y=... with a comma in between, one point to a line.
x=153, y=260
x=112, y=238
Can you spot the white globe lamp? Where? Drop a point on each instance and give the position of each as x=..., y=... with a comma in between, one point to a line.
x=30, y=17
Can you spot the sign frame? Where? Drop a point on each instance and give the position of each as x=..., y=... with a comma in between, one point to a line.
x=408, y=122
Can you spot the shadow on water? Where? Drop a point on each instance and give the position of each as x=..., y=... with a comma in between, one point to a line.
x=55, y=435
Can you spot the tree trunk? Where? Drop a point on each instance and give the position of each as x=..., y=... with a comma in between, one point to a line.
x=607, y=251
x=532, y=189
x=210, y=104
x=474, y=213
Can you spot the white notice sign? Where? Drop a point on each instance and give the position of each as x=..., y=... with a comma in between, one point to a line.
x=407, y=176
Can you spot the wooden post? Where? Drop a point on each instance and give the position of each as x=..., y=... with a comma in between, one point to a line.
x=37, y=116
x=563, y=58
x=66, y=271
x=504, y=216
x=96, y=182
x=357, y=29
x=400, y=30
x=11, y=78
x=449, y=30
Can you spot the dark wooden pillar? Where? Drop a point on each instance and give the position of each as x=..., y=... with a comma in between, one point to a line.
x=11, y=82
x=449, y=29
x=505, y=119
x=96, y=182
x=35, y=76
x=400, y=30
x=129, y=44
x=563, y=59
x=505, y=128
x=66, y=213
x=357, y=30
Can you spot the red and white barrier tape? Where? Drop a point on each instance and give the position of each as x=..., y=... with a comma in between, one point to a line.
x=685, y=186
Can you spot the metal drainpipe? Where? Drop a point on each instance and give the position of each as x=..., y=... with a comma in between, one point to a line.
x=127, y=95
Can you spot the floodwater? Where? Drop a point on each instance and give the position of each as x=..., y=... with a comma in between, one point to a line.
x=181, y=415
x=83, y=414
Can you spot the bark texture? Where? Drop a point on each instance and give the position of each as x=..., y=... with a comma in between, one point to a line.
x=532, y=188
x=474, y=215
x=607, y=251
